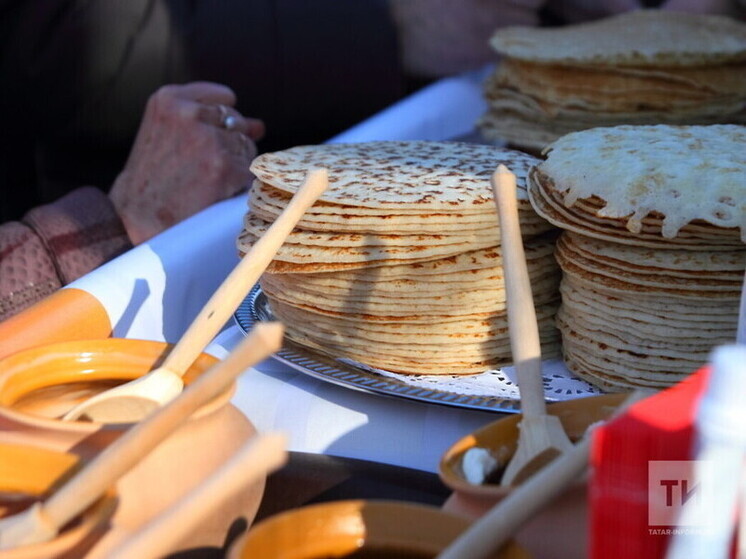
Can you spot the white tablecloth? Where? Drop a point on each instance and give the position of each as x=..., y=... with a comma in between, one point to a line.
x=155, y=290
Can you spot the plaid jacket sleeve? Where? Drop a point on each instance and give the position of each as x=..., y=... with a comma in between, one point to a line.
x=55, y=244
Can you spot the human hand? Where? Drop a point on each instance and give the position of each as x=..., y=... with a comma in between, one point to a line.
x=184, y=157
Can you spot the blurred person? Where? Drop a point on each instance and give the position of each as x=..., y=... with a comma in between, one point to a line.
x=442, y=37
x=75, y=76
x=192, y=149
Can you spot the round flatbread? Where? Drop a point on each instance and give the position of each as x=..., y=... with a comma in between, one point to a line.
x=638, y=38
x=680, y=173
x=418, y=175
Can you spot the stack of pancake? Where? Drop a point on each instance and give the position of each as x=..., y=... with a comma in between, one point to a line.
x=398, y=266
x=642, y=67
x=653, y=252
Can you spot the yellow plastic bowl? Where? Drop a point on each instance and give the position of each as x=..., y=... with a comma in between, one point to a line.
x=341, y=528
x=40, y=384
x=46, y=381
x=29, y=474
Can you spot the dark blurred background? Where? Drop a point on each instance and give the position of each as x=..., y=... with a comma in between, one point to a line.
x=75, y=76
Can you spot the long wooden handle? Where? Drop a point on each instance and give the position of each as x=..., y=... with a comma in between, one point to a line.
x=260, y=456
x=524, y=331
x=495, y=528
x=119, y=457
x=234, y=288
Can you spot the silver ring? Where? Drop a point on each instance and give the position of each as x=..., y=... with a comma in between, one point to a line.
x=228, y=121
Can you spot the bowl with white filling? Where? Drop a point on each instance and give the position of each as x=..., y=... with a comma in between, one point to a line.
x=472, y=467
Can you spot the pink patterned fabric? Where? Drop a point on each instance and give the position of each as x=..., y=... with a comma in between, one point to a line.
x=55, y=244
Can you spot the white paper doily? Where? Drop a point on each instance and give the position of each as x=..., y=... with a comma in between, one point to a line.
x=559, y=383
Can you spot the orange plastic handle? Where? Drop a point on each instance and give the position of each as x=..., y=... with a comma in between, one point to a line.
x=68, y=314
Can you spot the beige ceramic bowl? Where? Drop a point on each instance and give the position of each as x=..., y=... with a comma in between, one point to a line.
x=501, y=437
x=28, y=474
x=369, y=528
x=39, y=385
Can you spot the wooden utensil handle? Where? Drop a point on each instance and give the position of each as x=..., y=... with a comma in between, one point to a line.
x=524, y=332
x=496, y=527
x=117, y=459
x=260, y=456
x=235, y=287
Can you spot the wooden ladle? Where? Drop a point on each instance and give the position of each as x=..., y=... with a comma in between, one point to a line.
x=132, y=401
x=541, y=437
x=42, y=521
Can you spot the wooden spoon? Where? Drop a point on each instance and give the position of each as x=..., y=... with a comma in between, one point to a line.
x=132, y=401
x=541, y=437
x=495, y=528
x=43, y=520
x=259, y=457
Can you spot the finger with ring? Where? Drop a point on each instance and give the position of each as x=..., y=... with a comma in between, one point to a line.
x=228, y=121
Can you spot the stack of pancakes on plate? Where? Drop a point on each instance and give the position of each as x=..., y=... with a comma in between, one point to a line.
x=398, y=265
x=653, y=252
x=642, y=67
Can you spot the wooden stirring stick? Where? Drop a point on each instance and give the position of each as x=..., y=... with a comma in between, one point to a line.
x=495, y=528
x=260, y=456
x=43, y=520
x=541, y=437
x=134, y=400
